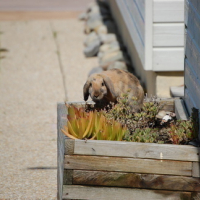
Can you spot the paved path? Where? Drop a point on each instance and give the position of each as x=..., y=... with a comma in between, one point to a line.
x=41, y=9
x=33, y=78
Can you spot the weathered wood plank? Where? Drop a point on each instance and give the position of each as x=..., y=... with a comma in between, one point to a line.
x=196, y=5
x=103, y=193
x=99, y=163
x=192, y=52
x=127, y=18
x=69, y=146
x=177, y=91
x=161, y=61
x=141, y=6
x=68, y=177
x=136, y=150
x=196, y=169
x=61, y=121
x=136, y=16
x=135, y=180
x=192, y=82
x=167, y=103
x=168, y=34
x=192, y=20
x=168, y=11
x=189, y=101
x=180, y=110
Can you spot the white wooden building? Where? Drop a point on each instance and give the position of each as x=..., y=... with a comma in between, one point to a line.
x=153, y=32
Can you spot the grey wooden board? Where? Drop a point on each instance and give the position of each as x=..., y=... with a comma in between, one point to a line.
x=61, y=121
x=136, y=180
x=196, y=5
x=177, y=91
x=136, y=150
x=168, y=11
x=195, y=169
x=189, y=101
x=107, y=193
x=192, y=82
x=131, y=26
x=141, y=7
x=119, y=164
x=193, y=22
x=192, y=52
x=136, y=16
x=180, y=110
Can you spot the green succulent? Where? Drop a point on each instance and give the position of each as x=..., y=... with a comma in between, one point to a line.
x=146, y=135
x=92, y=125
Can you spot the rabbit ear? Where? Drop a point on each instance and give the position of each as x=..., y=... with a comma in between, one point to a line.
x=109, y=86
x=86, y=90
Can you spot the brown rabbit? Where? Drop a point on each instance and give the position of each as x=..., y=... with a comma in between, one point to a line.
x=107, y=86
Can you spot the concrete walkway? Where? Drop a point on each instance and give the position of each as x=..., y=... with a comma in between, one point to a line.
x=43, y=64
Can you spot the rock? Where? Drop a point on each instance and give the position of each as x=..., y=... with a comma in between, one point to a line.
x=111, y=57
x=102, y=29
x=83, y=16
x=92, y=49
x=93, y=22
x=107, y=38
x=87, y=30
x=95, y=9
x=109, y=46
x=104, y=47
x=91, y=37
x=90, y=5
x=95, y=70
x=161, y=114
x=100, y=54
x=111, y=27
x=110, y=50
x=118, y=65
x=105, y=66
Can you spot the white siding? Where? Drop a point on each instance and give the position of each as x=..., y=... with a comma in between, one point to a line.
x=168, y=34
x=168, y=59
x=168, y=11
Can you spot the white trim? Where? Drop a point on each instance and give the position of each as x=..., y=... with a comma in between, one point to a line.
x=148, y=65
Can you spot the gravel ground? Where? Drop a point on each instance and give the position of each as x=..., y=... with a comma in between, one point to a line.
x=33, y=78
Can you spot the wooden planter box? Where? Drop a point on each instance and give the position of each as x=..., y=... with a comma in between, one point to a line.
x=124, y=170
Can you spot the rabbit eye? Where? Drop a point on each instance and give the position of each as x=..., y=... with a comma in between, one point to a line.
x=102, y=84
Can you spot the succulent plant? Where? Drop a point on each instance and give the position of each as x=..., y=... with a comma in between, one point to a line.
x=145, y=127
x=92, y=125
x=146, y=135
x=79, y=124
x=118, y=122
x=181, y=132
